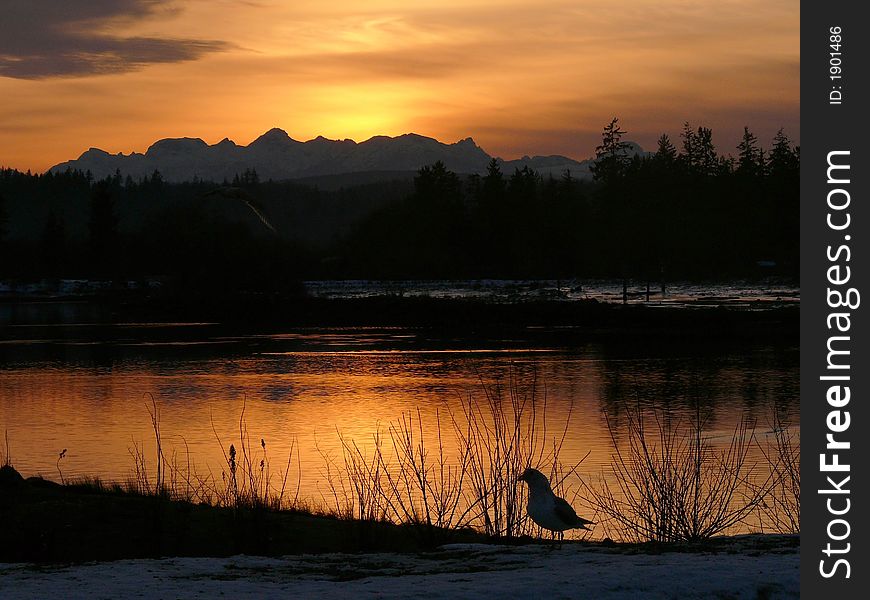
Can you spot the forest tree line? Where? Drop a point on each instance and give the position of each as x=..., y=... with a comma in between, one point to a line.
x=685, y=211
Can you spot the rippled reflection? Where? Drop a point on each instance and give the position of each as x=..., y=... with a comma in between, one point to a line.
x=311, y=386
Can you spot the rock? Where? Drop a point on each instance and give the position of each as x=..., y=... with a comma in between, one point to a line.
x=42, y=483
x=9, y=476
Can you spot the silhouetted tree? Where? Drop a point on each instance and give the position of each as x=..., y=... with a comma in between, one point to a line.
x=666, y=152
x=436, y=183
x=103, y=228
x=3, y=218
x=250, y=177
x=523, y=186
x=493, y=183
x=425, y=235
x=689, y=154
x=750, y=158
x=649, y=213
x=699, y=154
x=611, y=158
x=52, y=250
x=708, y=161
x=784, y=158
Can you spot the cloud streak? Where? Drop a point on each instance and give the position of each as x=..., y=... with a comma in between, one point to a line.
x=57, y=38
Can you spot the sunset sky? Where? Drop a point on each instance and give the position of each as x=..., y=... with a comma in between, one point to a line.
x=519, y=77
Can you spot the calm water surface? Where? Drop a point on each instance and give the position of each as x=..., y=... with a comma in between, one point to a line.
x=68, y=382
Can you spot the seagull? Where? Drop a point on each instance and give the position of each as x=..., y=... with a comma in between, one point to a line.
x=547, y=509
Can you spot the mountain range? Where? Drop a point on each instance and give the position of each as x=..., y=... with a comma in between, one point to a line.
x=277, y=156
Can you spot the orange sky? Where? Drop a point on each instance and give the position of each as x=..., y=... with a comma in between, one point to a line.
x=519, y=77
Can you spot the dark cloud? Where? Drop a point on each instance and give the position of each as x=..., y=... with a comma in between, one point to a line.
x=59, y=38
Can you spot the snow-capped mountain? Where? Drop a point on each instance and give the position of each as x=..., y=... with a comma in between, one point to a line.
x=275, y=155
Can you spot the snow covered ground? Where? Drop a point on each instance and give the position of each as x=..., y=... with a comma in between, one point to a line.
x=770, y=293
x=455, y=571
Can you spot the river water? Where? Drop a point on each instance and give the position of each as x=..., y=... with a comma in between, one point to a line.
x=70, y=380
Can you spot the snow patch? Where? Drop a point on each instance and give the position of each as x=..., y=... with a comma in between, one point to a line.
x=454, y=571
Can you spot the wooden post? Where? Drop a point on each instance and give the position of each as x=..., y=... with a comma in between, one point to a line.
x=662, y=277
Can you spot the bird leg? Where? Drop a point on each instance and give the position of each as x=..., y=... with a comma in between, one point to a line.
x=552, y=545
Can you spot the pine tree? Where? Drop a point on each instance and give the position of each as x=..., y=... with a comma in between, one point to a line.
x=437, y=183
x=523, y=185
x=3, y=218
x=784, y=158
x=493, y=181
x=666, y=152
x=699, y=154
x=689, y=155
x=53, y=245
x=611, y=157
x=750, y=158
x=103, y=228
x=708, y=160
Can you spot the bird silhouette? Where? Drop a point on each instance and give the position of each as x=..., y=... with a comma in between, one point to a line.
x=237, y=193
x=547, y=509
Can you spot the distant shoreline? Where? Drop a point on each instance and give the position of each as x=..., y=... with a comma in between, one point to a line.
x=464, y=317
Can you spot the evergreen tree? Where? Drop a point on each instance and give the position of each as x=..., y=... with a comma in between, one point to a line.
x=708, y=160
x=727, y=165
x=611, y=158
x=103, y=228
x=3, y=218
x=784, y=158
x=699, y=154
x=750, y=158
x=250, y=178
x=493, y=183
x=438, y=184
x=52, y=250
x=666, y=152
x=523, y=185
x=689, y=155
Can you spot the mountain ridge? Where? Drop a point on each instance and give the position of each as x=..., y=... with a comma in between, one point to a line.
x=277, y=156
